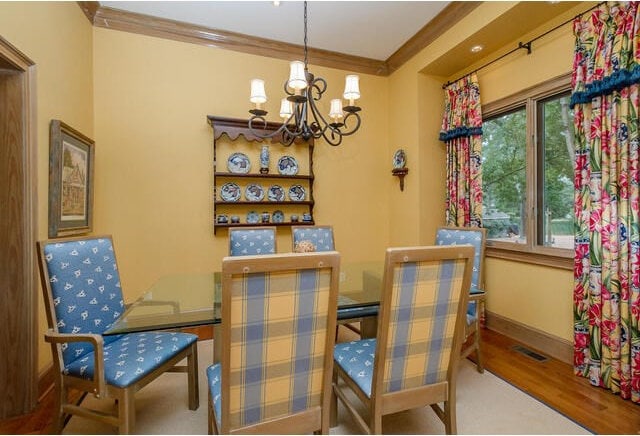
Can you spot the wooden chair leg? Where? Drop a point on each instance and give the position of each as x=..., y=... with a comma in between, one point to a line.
x=333, y=407
x=210, y=411
x=192, y=364
x=375, y=424
x=127, y=412
x=60, y=398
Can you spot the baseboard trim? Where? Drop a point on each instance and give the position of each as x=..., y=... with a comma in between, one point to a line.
x=45, y=381
x=551, y=345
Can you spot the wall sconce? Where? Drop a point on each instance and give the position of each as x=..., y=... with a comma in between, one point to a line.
x=400, y=166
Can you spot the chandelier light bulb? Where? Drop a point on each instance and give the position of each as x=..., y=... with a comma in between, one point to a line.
x=336, y=109
x=352, y=88
x=286, y=108
x=258, y=96
x=297, y=77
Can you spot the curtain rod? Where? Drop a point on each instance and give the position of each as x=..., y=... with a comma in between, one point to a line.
x=523, y=45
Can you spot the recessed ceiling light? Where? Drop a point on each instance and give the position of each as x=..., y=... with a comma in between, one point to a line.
x=276, y=2
x=476, y=48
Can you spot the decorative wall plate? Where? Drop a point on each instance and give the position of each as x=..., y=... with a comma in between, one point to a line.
x=238, y=163
x=230, y=192
x=278, y=216
x=399, y=159
x=253, y=192
x=253, y=217
x=288, y=166
x=297, y=193
x=276, y=193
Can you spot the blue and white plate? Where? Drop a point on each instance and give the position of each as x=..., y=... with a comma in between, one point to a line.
x=253, y=192
x=238, y=163
x=399, y=159
x=288, y=166
x=276, y=193
x=230, y=192
x=278, y=216
x=253, y=217
x=297, y=193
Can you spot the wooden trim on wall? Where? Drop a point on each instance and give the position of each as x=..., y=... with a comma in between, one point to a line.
x=553, y=346
x=89, y=9
x=175, y=30
x=449, y=16
x=102, y=16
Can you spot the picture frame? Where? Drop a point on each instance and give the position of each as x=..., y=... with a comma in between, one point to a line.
x=71, y=160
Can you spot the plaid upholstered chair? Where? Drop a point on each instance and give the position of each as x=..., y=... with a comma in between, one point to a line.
x=83, y=298
x=256, y=240
x=413, y=360
x=476, y=237
x=321, y=237
x=278, y=319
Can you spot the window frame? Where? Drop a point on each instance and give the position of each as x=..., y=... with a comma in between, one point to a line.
x=530, y=252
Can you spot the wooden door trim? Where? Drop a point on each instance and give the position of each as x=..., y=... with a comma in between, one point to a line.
x=23, y=65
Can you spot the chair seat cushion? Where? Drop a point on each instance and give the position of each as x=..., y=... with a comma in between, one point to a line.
x=356, y=359
x=132, y=356
x=213, y=376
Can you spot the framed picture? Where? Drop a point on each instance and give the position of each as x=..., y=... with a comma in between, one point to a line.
x=70, y=181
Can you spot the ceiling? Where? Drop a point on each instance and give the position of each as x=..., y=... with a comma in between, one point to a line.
x=371, y=29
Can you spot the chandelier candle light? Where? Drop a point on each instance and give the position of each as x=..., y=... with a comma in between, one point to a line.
x=301, y=116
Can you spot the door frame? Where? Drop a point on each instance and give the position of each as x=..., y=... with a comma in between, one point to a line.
x=27, y=319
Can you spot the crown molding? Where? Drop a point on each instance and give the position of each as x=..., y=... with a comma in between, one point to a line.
x=115, y=19
x=89, y=9
x=454, y=12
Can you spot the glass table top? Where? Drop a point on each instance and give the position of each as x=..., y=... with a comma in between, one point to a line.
x=187, y=300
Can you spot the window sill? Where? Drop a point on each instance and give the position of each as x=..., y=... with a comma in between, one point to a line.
x=554, y=261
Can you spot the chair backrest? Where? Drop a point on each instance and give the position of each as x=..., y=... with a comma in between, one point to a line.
x=81, y=287
x=467, y=235
x=320, y=236
x=278, y=327
x=422, y=317
x=256, y=240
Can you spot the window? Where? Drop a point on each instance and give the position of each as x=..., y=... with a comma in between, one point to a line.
x=527, y=175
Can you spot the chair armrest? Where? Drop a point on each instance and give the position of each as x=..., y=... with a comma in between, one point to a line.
x=478, y=296
x=97, y=341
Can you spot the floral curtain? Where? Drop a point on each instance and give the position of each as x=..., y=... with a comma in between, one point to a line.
x=607, y=198
x=462, y=133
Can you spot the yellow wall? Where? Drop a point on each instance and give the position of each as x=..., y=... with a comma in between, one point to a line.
x=154, y=171
x=57, y=37
x=536, y=296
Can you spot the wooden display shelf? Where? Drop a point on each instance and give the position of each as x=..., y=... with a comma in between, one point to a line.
x=262, y=176
x=270, y=223
x=249, y=203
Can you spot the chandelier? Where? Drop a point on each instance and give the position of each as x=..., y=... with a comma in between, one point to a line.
x=301, y=117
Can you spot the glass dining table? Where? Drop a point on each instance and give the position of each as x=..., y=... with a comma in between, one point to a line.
x=193, y=299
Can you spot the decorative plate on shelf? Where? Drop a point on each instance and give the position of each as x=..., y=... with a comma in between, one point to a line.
x=278, y=216
x=230, y=192
x=253, y=217
x=297, y=193
x=276, y=193
x=238, y=163
x=288, y=166
x=253, y=192
x=399, y=159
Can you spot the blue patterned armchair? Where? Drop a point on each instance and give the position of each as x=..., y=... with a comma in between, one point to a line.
x=276, y=346
x=253, y=241
x=321, y=237
x=83, y=298
x=413, y=360
x=476, y=237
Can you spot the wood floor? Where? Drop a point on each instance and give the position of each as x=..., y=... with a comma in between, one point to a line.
x=551, y=382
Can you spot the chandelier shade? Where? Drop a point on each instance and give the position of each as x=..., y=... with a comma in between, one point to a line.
x=299, y=110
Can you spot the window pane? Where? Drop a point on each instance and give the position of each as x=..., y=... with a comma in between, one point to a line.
x=556, y=152
x=504, y=176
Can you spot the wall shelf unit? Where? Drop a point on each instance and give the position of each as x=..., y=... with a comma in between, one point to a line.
x=232, y=135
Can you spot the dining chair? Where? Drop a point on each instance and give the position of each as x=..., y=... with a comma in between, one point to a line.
x=256, y=240
x=412, y=362
x=83, y=298
x=476, y=237
x=276, y=346
x=318, y=238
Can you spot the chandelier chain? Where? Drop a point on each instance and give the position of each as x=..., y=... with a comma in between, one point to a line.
x=305, y=36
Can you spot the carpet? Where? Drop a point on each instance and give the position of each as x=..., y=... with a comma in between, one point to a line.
x=486, y=404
